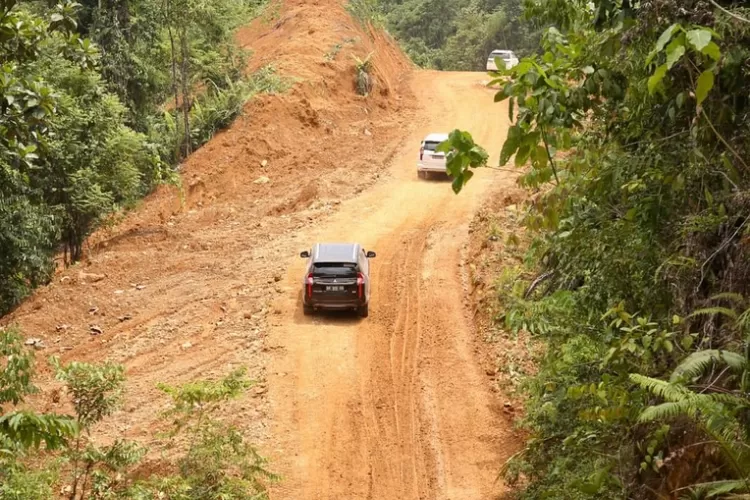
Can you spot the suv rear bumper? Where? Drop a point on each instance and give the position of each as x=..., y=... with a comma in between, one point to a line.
x=332, y=303
x=421, y=167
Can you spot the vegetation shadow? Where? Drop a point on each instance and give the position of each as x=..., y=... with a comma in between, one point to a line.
x=439, y=177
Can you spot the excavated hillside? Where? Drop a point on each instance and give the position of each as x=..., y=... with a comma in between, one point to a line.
x=200, y=280
x=195, y=266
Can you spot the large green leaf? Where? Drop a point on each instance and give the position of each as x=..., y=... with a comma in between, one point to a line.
x=512, y=142
x=712, y=50
x=699, y=38
x=522, y=155
x=540, y=157
x=703, y=86
x=675, y=51
x=655, y=80
x=500, y=95
x=666, y=36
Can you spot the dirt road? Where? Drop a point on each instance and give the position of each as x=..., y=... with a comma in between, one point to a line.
x=391, y=407
x=395, y=406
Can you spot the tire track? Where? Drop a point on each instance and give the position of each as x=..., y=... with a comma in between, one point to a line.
x=394, y=406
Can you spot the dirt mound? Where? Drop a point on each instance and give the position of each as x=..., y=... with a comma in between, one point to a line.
x=266, y=153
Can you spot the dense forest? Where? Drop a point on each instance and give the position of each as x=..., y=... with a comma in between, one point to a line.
x=633, y=124
x=458, y=35
x=100, y=102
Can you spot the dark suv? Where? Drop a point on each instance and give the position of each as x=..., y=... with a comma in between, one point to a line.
x=337, y=277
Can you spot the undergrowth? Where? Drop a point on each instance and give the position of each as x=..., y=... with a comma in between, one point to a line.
x=364, y=80
x=366, y=12
x=210, y=458
x=637, y=280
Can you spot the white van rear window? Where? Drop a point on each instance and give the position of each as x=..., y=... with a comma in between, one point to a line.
x=431, y=145
x=502, y=55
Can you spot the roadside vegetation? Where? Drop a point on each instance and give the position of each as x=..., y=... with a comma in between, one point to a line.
x=632, y=125
x=101, y=100
x=44, y=456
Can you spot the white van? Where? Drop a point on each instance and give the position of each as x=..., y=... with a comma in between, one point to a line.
x=431, y=160
x=509, y=58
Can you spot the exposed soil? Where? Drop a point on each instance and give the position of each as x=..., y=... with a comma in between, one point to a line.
x=497, y=247
x=397, y=406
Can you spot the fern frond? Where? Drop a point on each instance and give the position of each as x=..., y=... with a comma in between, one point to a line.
x=667, y=411
x=697, y=363
x=744, y=320
x=661, y=388
x=730, y=296
x=716, y=488
x=711, y=311
x=723, y=398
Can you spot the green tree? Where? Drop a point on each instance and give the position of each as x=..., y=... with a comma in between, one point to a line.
x=459, y=34
x=218, y=462
x=82, y=129
x=22, y=432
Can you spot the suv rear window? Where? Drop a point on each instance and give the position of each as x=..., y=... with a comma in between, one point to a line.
x=335, y=268
x=431, y=145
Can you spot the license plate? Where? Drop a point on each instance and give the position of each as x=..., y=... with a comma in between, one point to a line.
x=437, y=157
x=334, y=288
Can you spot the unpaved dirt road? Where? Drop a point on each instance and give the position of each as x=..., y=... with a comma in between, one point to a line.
x=395, y=406
x=388, y=408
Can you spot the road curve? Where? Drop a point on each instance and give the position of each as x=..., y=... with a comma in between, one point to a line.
x=395, y=406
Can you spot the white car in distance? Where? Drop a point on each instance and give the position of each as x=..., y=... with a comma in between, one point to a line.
x=507, y=56
x=430, y=160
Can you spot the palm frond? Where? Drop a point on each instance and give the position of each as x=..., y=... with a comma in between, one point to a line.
x=698, y=362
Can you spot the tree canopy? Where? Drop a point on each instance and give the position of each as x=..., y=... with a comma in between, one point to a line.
x=458, y=34
x=83, y=131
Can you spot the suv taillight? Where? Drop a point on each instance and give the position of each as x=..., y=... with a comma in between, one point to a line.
x=421, y=152
x=360, y=284
x=309, y=284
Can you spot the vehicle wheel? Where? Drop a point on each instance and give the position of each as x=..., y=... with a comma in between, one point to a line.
x=308, y=310
x=421, y=174
x=364, y=311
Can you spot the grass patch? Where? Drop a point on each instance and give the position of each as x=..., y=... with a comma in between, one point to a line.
x=331, y=54
x=366, y=12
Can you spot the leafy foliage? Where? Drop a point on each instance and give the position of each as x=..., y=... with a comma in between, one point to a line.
x=83, y=133
x=366, y=11
x=218, y=462
x=632, y=125
x=21, y=429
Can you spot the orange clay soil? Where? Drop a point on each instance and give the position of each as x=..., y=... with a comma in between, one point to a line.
x=395, y=406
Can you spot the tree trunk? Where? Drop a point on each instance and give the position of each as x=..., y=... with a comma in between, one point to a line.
x=185, y=48
x=123, y=14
